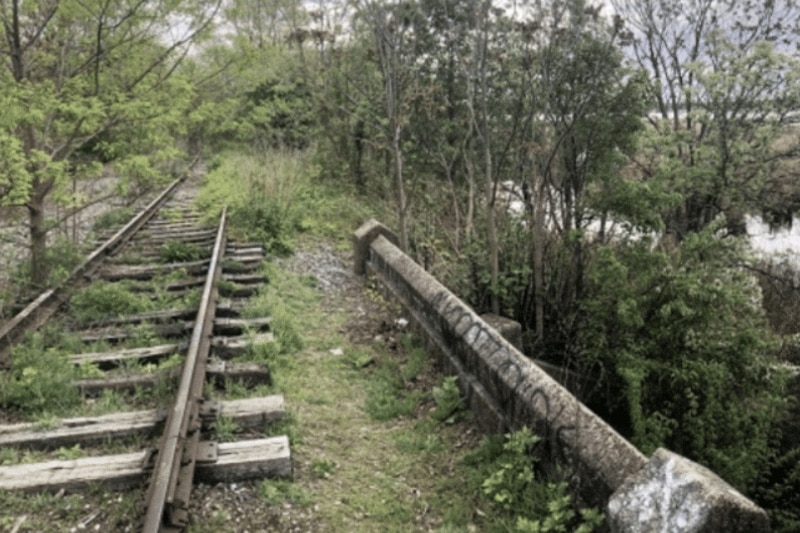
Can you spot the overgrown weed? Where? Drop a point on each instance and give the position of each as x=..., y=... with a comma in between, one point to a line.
x=274, y=196
x=102, y=300
x=113, y=218
x=41, y=379
x=180, y=252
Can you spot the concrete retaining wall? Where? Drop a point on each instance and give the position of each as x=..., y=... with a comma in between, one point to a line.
x=507, y=391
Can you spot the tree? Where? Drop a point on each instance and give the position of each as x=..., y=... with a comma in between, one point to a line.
x=99, y=83
x=263, y=22
x=391, y=27
x=723, y=86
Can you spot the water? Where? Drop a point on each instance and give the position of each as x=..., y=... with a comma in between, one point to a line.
x=783, y=243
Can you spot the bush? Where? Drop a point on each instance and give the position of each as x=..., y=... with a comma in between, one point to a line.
x=505, y=472
x=41, y=379
x=105, y=300
x=268, y=223
x=179, y=252
x=113, y=218
x=682, y=334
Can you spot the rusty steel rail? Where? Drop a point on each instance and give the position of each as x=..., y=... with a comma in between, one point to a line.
x=180, y=447
x=39, y=311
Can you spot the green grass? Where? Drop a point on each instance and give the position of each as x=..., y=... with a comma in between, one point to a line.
x=40, y=383
x=103, y=299
x=179, y=251
x=275, y=196
x=113, y=218
x=365, y=453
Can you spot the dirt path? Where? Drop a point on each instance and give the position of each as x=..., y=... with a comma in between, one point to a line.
x=353, y=472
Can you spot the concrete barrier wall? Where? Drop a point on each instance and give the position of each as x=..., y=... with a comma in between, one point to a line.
x=507, y=391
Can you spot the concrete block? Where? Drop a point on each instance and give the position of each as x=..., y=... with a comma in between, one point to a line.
x=672, y=494
x=510, y=329
x=363, y=237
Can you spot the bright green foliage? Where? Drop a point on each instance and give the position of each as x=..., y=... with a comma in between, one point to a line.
x=15, y=181
x=682, y=334
x=266, y=195
x=86, y=84
x=225, y=428
x=448, y=400
x=113, y=218
x=102, y=300
x=511, y=485
x=41, y=378
x=179, y=251
x=519, y=500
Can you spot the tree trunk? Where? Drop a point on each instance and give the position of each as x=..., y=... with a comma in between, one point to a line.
x=539, y=236
x=491, y=229
x=359, y=136
x=38, y=236
x=402, y=200
x=491, y=215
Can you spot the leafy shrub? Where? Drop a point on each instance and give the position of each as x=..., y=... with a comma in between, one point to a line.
x=514, y=275
x=179, y=251
x=505, y=474
x=448, y=401
x=267, y=195
x=268, y=223
x=113, y=218
x=682, y=334
x=105, y=300
x=41, y=378
x=280, y=113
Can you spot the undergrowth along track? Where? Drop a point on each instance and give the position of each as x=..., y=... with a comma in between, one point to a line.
x=148, y=316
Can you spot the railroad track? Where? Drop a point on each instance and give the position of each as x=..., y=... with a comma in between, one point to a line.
x=186, y=341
